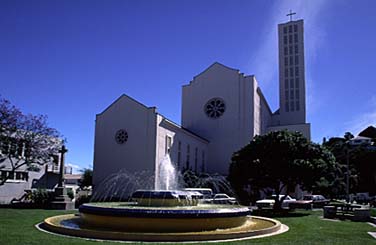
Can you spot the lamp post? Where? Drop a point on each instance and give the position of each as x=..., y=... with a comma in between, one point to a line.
x=347, y=173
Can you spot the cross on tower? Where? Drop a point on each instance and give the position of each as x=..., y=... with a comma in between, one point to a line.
x=290, y=14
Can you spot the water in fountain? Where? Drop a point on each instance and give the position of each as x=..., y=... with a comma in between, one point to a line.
x=120, y=185
x=167, y=177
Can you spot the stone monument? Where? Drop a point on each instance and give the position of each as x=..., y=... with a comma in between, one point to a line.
x=61, y=200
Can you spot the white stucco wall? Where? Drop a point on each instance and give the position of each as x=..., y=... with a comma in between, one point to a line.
x=180, y=136
x=138, y=153
x=265, y=112
x=235, y=128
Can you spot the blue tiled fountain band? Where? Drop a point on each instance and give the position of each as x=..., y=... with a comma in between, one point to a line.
x=165, y=212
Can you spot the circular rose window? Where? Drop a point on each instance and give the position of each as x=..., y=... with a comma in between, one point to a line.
x=121, y=136
x=215, y=108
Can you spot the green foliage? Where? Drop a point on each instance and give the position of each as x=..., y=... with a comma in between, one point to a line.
x=87, y=178
x=70, y=193
x=278, y=160
x=81, y=200
x=41, y=197
x=361, y=160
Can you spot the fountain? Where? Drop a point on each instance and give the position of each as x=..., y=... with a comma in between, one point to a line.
x=166, y=178
x=163, y=214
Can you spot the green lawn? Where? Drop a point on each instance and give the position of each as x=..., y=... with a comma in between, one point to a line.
x=17, y=227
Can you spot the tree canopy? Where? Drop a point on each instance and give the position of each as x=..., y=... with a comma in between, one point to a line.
x=25, y=140
x=361, y=158
x=280, y=160
x=87, y=178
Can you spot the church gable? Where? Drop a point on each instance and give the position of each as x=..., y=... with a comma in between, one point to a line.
x=214, y=71
x=122, y=104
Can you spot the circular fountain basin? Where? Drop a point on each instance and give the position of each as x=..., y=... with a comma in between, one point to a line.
x=126, y=216
x=72, y=225
x=161, y=216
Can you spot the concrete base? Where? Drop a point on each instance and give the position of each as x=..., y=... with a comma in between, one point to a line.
x=329, y=212
x=362, y=215
x=61, y=200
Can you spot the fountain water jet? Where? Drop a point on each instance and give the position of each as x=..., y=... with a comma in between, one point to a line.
x=166, y=178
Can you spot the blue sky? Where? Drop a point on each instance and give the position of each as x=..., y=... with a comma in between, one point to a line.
x=70, y=59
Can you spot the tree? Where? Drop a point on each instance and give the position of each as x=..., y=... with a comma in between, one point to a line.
x=361, y=159
x=87, y=178
x=280, y=160
x=25, y=140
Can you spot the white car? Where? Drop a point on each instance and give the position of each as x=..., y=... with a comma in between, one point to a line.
x=221, y=198
x=268, y=202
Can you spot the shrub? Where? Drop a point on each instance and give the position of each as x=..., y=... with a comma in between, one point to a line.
x=70, y=193
x=81, y=200
x=41, y=197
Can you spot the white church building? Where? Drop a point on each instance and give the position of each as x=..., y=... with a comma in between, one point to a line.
x=222, y=110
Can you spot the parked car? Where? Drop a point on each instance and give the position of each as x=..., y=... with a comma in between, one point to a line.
x=221, y=198
x=372, y=201
x=206, y=192
x=269, y=201
x=309, y=202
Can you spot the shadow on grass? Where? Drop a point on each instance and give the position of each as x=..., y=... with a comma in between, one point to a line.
x=271, y=213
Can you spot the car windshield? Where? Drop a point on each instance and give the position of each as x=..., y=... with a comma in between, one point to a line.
x=221, y=196
x=307, y=197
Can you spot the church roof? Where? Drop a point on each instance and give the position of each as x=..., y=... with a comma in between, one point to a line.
x=183, y=129
x=216, y=64
x=128, y=97
x=211, y=67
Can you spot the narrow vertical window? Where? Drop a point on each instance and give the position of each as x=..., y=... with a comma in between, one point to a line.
x=188, y=152
x=203, y=161
x=296, y=38
x=296, y=60
x=292, y=83
x=179, y=154
x=286, y=83
x=286, y=61
x=297, y=71
x=296, y=49
x=291, y=94
x=3, y=174
x=10, y=175
x=297, y=106
x=286, y=95
x=297, y=82
x=196, y=153
x=295, y=28
x=286, y=50
x=290, y=50
x=290, y=38
x=286, y=72
x=291, y=60
x=292, y=105
x=287, y=106
x=291, y=72
x=290, y=29
x=285, y=30
x=285, y=39
x=297, y=94
x=168, y=144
